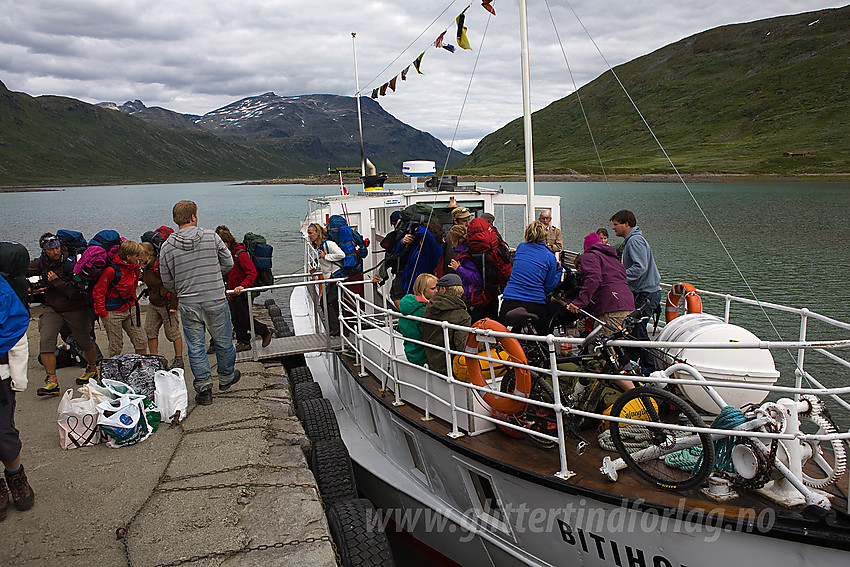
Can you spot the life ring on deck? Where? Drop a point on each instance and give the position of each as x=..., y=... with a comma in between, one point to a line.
x=513, y=348
x=692, y=300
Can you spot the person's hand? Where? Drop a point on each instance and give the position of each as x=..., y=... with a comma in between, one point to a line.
x=104, y=316
x=238, y=289
x=51, y=275
x=408, y=238
x=453, y=264
x=322, y=254
x=172, y=311
x=572, y=308
x=376, y=279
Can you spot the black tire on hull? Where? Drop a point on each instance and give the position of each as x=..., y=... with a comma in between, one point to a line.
x=319, y=420
x=331, y=465
x=356, y=529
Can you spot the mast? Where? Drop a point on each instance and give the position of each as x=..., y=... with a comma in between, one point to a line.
x=526, y=113
x=357, y=97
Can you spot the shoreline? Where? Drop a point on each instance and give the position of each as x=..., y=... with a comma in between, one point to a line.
x=484, y=179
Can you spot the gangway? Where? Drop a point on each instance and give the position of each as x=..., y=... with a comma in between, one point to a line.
x=296, y=344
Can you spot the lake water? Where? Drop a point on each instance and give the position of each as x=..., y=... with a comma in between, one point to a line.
x=779, y=242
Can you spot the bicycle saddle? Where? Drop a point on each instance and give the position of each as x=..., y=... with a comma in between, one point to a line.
x=516, y=318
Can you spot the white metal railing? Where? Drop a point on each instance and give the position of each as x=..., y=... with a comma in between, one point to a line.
x=357, y=313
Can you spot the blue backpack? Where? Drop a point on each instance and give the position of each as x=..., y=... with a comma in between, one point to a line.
x=352, y=243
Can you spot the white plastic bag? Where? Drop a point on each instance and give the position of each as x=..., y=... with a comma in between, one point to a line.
x=97, y=393
x=77, y=418
x=171, y=395
x=123, y=420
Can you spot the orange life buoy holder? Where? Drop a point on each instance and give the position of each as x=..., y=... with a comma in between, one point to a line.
x=522, y=386
x=692, y=301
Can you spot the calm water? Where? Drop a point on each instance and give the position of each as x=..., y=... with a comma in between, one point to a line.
x=786, y=239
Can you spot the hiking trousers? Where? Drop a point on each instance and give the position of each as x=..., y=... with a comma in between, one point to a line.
x=242, y=320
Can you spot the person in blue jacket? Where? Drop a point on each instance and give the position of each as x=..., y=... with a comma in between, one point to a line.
x=422, y=257
x=14, y=354
x=534, y=275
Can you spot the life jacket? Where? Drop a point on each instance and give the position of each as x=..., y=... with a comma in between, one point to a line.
x=491, y=253
x=351, y=242
x=260, y=253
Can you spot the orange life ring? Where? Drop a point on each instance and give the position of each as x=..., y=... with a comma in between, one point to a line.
x=692, y=300
x=523, y=376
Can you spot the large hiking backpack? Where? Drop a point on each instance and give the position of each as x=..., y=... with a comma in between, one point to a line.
x=73, y=242
x=260, y=253
x=484, y=241
x=157, y=237
x=415, y=215
x=352, y=243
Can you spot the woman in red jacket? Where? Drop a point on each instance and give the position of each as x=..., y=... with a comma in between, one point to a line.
x=115, y=294
x=241, y=276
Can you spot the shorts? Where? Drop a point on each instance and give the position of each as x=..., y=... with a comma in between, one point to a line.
x=116, y=323
x=158, y=316
x=50, y=322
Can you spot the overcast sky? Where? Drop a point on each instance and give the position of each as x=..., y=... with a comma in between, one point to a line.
x=194, y=56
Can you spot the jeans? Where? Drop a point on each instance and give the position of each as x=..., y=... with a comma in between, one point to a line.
x=212, y=316
x=647, y=360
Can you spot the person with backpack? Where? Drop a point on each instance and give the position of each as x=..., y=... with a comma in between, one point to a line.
x=14, y=354
x=420, y=254
x=114, y=296
x=481, y=303
x=534, y=275
x=64, y=303
x=330, y=254
x=242, y=275
x=162, y=311
x=356, y=248
x=191, y=263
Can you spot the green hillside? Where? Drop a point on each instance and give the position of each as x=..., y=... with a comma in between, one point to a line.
x=729, y=100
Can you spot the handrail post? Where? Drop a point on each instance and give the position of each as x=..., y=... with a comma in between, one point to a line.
x=565, y=472
x=801, y=352
x=727, y=314
x=358, y=358
x=397, y=401
x=450, y=377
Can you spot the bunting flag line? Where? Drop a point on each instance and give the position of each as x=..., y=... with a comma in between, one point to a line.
x=462, y=41
x=418, y=62
x=486, y=5
x=392, y=83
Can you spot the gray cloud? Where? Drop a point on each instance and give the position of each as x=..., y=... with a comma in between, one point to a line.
x=194, y=56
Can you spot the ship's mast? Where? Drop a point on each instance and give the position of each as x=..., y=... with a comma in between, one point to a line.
x=357, y=97
x=526, y=113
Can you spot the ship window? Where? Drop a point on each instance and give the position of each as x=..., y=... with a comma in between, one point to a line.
x=414, y=452
x=488, y=502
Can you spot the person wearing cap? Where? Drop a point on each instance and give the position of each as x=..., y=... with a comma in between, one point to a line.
x=460, y=217
x=534, y=275
x=554, y=241
x=489, y=218
x=446, y=305
x=604, y=291
x=63, y=303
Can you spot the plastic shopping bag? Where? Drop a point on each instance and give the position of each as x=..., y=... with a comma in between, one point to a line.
x=171, y=396
x=123, y=420
x=96, y=392
x=77, y=418
x=116, y=388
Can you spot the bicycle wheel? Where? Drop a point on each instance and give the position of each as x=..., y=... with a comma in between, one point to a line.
x=653, y=404
x=535, y=418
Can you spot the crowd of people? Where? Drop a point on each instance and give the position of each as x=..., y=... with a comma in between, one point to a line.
x=613, y=282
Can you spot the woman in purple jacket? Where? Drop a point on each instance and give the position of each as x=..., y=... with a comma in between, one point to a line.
x=604, y=290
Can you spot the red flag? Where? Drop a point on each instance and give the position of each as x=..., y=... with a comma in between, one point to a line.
x=392, y=83
x=486, y=5
x=439, y=42
x=384, y=89
x=404, y=73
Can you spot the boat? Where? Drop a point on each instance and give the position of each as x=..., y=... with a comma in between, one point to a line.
x=456, y=465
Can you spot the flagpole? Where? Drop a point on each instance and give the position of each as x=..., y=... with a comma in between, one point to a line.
x=526, y=113
x=357, y=96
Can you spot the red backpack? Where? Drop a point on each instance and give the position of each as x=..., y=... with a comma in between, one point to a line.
x=484, y=241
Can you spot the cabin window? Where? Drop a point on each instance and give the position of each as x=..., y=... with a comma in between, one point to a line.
x=486, y=500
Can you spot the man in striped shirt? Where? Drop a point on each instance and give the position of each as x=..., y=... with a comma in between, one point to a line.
x=192, y=262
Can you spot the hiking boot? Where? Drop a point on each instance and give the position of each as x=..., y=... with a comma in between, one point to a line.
x=4, y=500
x=177, y=362
x=211, y=349
x=236, y=376
x=22, y=495
x=241, y=347
x=50, y=388
x=267, y=339
x=91, y=374
x=204, y=397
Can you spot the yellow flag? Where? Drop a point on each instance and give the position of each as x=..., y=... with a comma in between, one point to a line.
x=418, y=62
x=462, y=41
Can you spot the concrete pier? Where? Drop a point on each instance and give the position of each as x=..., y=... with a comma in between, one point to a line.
x=229, y=485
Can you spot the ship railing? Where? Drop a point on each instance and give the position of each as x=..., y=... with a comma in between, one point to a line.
x=357, y=314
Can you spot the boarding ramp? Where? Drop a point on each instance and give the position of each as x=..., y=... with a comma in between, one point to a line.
x=320, y=341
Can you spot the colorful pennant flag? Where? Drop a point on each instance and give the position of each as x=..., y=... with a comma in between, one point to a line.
x=404, y=73
x=384, y=89
x=439, y=42
x=375, y=93
x=392, y=83
x=486, y=5
x=462, y=41
x=417, y=62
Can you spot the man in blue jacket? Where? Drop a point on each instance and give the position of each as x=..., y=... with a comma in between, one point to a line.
x=641, y=272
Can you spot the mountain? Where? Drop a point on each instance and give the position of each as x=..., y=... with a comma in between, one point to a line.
x=734, y=99
x=57, y=140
